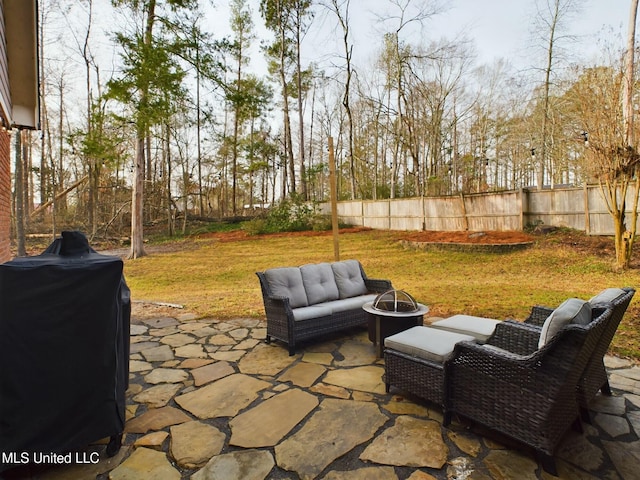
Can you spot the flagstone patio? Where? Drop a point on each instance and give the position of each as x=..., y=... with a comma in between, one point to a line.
x=211, y=400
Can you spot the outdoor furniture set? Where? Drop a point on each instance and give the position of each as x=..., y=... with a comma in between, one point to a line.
x=530, y=380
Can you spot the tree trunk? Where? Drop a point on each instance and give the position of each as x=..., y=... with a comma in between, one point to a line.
x=170, y=216
x=542, y=158
x=137, y=192
x=627, y=94
x=137, y=207
x=624, y=238
x=303, y=176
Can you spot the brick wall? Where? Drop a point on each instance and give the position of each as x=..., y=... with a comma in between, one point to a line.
x=5, y=196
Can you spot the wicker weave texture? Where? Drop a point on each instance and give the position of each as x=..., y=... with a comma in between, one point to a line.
x=417, y=376
x=531, y=397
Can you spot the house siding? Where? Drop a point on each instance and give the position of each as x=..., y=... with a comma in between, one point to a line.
x=5, y=95
x=5, y=157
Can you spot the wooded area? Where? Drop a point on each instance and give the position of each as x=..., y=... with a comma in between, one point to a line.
x=182, y=126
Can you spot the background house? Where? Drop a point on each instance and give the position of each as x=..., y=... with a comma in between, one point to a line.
x=19, y=96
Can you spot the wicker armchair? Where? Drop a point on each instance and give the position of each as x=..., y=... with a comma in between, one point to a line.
x=594, y=377
x=513, y=387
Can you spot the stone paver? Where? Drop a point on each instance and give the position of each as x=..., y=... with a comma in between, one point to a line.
x=265, y=360
x=409, y=442
x=224, y=398
x=177, y=339
x=160, y=353
x=209, y=399
x=152, y=440
x=145, y=464
x=366, y=379
x=367, y=473
x=323, y=438
x=158, y=395
x=211, y=372
x=626, y=460
x=166, y=375
x=613, y=425
x=246, y=465
x=303, y=374
x=266, y=424
x=507, y=465
x=156, y=419
x=194, y=443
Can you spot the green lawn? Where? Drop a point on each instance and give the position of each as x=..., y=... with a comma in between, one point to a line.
x=217, y=278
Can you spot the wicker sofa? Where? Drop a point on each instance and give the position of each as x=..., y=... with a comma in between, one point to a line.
x=315, y=299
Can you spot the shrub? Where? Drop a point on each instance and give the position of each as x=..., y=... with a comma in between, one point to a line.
x=255, y=226
x=321, y=223
x=290, y=215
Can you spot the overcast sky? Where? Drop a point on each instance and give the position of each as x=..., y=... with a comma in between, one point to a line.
x=497, y=28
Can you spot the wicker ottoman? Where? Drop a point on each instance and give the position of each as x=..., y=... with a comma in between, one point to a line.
x=479, y=327
x=414, y=361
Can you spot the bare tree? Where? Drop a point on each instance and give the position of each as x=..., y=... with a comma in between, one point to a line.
x=551, y=18
x=341, y=10
x=595, y=100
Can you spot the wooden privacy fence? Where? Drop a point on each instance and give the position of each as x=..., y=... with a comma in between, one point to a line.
x=579, y=208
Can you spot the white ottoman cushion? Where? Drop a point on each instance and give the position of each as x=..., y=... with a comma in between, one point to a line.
x=479, y=327
x=426, y=342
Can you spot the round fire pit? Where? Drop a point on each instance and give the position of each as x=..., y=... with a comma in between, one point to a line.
x=395, y=301
x=392, y=312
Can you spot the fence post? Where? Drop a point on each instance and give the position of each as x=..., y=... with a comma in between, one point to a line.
x=587, y=216
x=334, y=201
x=523, y=201
x=465, y=220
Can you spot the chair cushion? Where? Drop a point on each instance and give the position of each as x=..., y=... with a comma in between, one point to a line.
x=311, y=312
x=607, y=295
x=572, y=310
x=353, y=303
x=479, y=327
x=349, y=278
x=287, y=282
x=426, y=342
x=319, y=283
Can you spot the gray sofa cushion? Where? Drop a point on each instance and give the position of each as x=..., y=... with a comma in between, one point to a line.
x=287, y=282
x=349, y=278
x=312, y=311
x=353, y=303
x=572, y=310
x=319, y=283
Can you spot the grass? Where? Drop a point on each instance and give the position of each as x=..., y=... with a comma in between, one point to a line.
x=215, y=278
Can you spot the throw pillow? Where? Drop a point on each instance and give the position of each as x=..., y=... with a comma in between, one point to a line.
x=608, y=295
x=572, y=310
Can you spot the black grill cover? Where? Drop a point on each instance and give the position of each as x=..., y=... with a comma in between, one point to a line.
x=64, y=349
